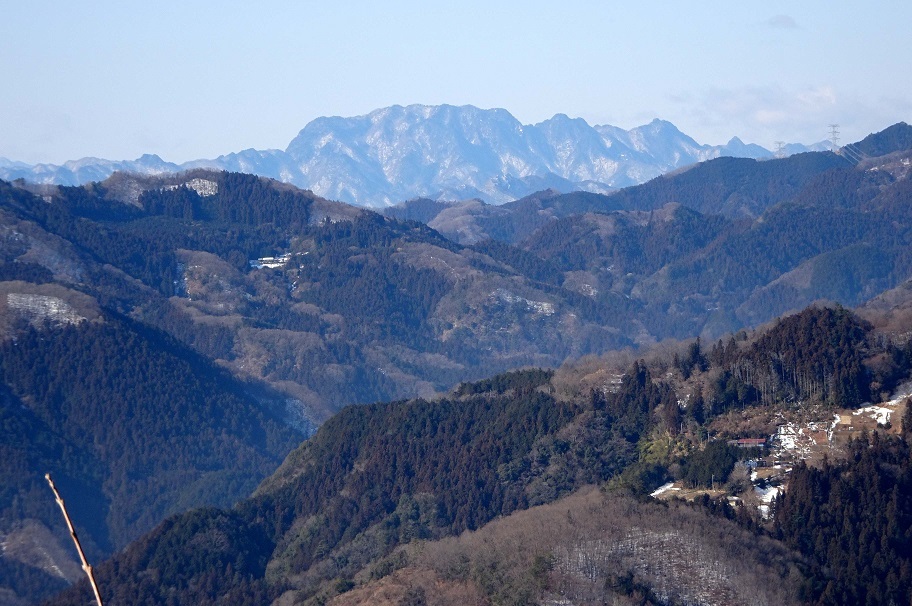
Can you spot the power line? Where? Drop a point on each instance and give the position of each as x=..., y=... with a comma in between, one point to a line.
x=849, y=152
x=853, y=153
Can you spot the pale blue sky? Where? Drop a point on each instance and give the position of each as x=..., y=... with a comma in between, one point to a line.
x=189, y=80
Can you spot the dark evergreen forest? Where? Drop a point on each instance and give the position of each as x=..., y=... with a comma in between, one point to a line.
x=379, y=476
x=853, y=520
x=133, y=426
x=136, y=421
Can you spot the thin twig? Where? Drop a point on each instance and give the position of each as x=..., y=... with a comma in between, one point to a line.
x=85, y=563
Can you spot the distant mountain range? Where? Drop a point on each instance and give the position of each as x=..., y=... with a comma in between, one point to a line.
x=441, y=152
x=126, y=306
x=334, y=305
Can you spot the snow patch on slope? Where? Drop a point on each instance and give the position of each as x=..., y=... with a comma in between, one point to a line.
x=42, y=308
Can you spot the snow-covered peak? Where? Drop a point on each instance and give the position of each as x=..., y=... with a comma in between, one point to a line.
x=401, y=152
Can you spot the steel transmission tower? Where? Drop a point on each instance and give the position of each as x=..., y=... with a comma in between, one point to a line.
x=834, y=137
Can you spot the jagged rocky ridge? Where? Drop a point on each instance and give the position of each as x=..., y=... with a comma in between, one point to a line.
x=398, y=153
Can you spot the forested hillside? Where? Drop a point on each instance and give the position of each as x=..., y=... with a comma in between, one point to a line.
x=736, y=188
x=278, y=309
x=836, y=232
x=345, y=514
x=335, y=305
x=325, y=302
x=133, y=426
x=853, y=520
x=725, y=244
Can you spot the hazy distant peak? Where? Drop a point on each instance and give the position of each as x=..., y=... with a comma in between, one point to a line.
x=439, y=151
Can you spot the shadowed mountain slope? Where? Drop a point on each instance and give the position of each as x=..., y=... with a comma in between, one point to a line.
x=133, y=426
x=378, y=496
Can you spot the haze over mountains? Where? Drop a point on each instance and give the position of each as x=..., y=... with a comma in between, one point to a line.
x=246, y=311
x=355, y=308
x=441, y=152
